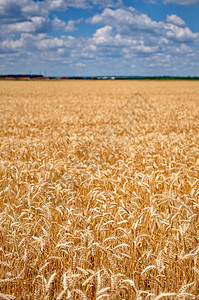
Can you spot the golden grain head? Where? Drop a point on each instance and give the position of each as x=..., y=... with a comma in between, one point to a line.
x=99, y=190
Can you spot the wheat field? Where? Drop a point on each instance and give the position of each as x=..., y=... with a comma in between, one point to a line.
x=99, y=190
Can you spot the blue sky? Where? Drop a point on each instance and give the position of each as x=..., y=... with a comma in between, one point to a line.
x=99, y=37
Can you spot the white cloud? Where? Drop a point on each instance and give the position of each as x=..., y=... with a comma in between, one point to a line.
x=122, y=37
x=54, y=43
x=182, y=2
x=40, y=43
x=130, y=34
x=65, y=4
x=35, y=24
x=130, y=22
x=146, y=49
x=12, y=45
x=80, y=65
x=183, y=49
x=50, y=43
x=125, y=20
x=12, y=11
x=58, y=24
x=126, y=32
x=107, y=3
x=19, y=16
x=71, y=24
x=103, y=35
x=40, y=24
x=151, y=1
x=180, y=34
x=175, y=20
x=18, y=10
x=20, y=27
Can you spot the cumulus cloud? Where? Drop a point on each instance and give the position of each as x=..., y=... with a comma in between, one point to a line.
x=54, y=43
x=58, y=24
x=132, y=22
x=12, y=45
x=126, y=32
x=19, y=16
x=180, y=34
x=135, y=37
x=151, y=1
x=125, y=20
x=40, y=24
x=12, y=11
x=65, y=4
x=29, y=43
x=35, y=24
x=183, y=49
x=19, y=8
x=80, y=65
x=175, y=20
x=32, y=31
x=182, y=2
x=103, y=35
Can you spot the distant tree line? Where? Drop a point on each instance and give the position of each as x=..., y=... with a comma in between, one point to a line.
x=36, y=76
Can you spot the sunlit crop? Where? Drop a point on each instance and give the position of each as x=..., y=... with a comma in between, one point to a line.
x=99, y=190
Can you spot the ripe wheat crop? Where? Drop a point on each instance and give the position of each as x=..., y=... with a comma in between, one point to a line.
x=99, y=190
